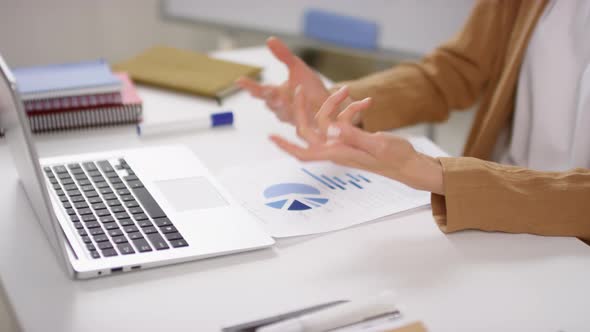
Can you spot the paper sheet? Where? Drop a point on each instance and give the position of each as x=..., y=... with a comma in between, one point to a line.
x=293, y=198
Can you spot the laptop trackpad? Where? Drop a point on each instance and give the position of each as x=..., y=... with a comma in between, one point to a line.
x=191, y=194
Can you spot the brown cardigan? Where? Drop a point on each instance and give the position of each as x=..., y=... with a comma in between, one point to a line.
x=481, y=64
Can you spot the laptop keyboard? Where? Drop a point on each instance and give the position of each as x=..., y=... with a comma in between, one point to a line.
x=112, y=211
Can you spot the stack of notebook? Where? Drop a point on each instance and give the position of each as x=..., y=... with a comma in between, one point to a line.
x=77, y=95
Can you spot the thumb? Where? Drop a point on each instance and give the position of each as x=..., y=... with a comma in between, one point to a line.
x=358, y=138
x=281, y=51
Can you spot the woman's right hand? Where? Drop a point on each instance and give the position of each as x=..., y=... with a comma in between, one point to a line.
x=279, y=98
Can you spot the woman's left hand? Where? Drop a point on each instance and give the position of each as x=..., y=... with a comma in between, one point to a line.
x=337, y=140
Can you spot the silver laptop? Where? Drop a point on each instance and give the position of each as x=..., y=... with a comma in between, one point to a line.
x=120, y=211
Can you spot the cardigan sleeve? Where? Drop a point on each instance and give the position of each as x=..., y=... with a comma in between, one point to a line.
x=451, y=77
x=492, y=197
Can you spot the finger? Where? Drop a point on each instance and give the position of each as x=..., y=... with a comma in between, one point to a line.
x=302, y=120
x=254, y=88
x=323, y=116
x=296, y=151
x=362, y=140
x=281, y=51
x=350, y=112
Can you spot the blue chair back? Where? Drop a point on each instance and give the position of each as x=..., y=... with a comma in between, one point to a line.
x=341, y=30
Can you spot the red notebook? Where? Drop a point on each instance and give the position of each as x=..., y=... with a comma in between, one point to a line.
x=127, y=111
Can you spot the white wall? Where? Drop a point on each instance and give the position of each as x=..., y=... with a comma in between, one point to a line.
x=49, y=31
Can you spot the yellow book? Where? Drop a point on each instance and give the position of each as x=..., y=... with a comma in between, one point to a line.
x=186, y=71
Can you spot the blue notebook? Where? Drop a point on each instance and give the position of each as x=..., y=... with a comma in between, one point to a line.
x=62, y=80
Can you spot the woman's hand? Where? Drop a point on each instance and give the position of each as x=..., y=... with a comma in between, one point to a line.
x=339, y=141
x=279, y=98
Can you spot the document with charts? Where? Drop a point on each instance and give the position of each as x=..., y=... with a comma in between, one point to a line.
x=293, y=198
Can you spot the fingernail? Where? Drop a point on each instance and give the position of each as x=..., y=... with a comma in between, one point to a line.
x=298, y=89
x=343, y=88
x=366, y=100
x=333, y=131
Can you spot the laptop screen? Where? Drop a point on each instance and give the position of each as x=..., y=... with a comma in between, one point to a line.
x=18, y=136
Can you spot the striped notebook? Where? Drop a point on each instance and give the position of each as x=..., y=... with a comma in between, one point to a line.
x=127, y=111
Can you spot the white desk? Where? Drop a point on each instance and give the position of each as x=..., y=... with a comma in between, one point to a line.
x=469, y=281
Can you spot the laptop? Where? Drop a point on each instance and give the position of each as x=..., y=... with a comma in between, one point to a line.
x=119, y=211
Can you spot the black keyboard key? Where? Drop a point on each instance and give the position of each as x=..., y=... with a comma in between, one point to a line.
x=89, y=166
x=47, y=170
x=149, y=203
x=78, y=225
x=105, y=166
x=81, y=205
x=161, y=222
x=113, y=203
x=111, y=175
x=117, y=209
x=102, y=185
x=144, y=223
x=82, y=232
x=110, y=197
x=87, y=188
x=88, y=218
x=60, y=169
x=106, y=191
x=150, y=230
x=53, y=180
x=96, y=231
x=157, y=241
x=135, y=210
x=135, y=185
x=101, y=238
x=140, y=216
x=94, y=254
x=64, y=176
x=131, y=229
x=116, y=232
x=142, y=245
x=118, y=186
x=77, y=199
x=122, y=215
x=127, y=198
x=90, y=247
x=86, y=239
x=67, y=182
x=81, y=177
x=179, y=243
x=168, y=229
x=105, y=245
x=84, y=212
x=111, y=226
x=94, y=174
x=125, y=248
x=92, y=224
x=70, y=187
x=120, y=239
x=67, y=205
x=74, y=166
x=84, y=182
x=74, y=218
x=103, y=213
x=73, y=193
x=77, y=171
x=71, y=212
x=123, y=192
x=56, y=187
x=131, y=204
x=126, y=222
x=99, y=206
x=90, y=194
x=109, y=253
x=173, y=236
x=106, y=219
x=135, y=236
x=60, y=193
x=116, y=180
x=130, y=178
x=63, y=198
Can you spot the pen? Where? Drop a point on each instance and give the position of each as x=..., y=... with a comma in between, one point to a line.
x=205, y=122
x=337, y=316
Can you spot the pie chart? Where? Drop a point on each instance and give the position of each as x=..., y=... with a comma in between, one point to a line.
x=293, y=197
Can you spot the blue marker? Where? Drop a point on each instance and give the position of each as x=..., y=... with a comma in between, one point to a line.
x=184, y=125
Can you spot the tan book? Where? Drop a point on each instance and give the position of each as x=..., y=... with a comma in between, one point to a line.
x=186, y=71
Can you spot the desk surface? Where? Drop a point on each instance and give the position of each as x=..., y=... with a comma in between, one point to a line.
x=459, y=282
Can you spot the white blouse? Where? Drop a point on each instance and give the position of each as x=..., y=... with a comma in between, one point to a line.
x=551, y=126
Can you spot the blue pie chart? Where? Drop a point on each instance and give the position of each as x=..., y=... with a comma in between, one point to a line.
x=293, y=197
